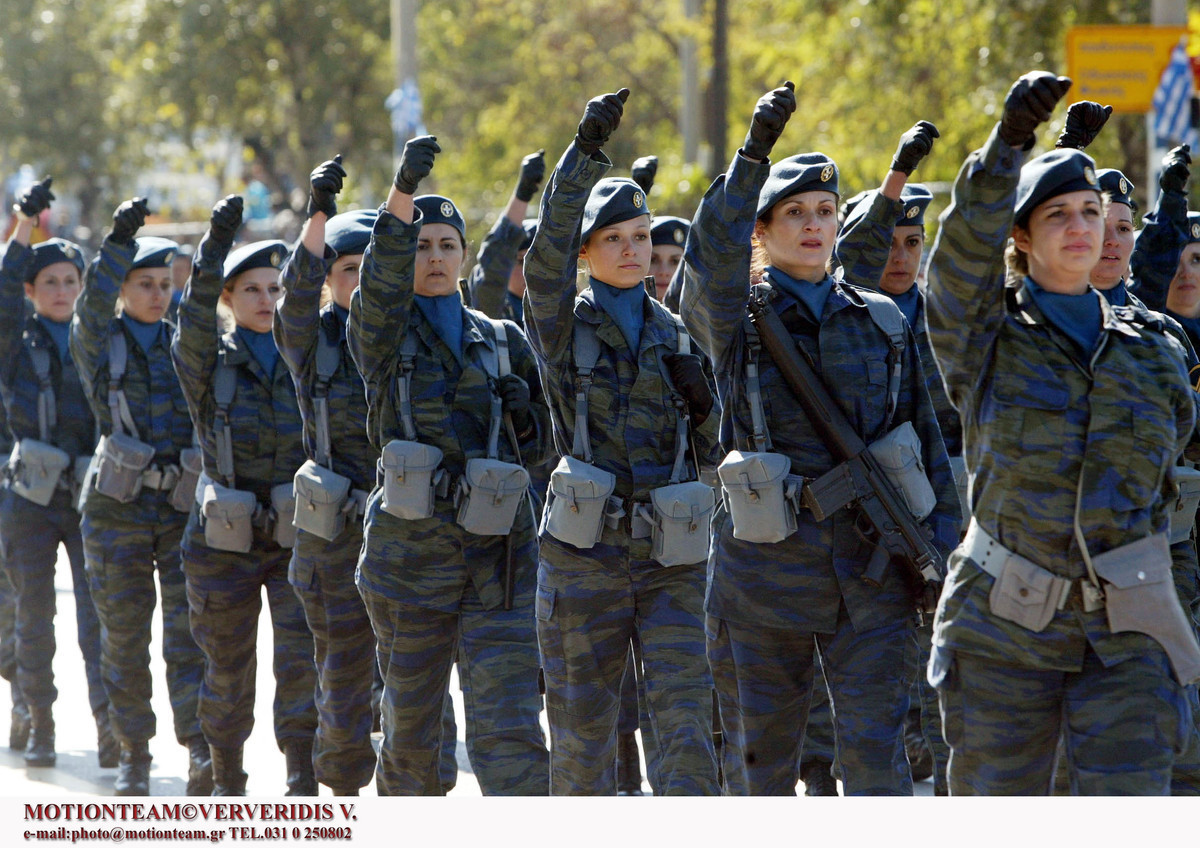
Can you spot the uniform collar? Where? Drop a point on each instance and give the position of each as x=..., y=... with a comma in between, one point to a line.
x=657, y=328
x=1025, y=311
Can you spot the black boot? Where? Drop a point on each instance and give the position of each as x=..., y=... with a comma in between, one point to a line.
x=228, y=777
x=18, y=730
x=300, y=777
x=818, y=778
x=629, y=765
x=108, y=749
x=200, y=767
x=39, y=750
x=134, y=775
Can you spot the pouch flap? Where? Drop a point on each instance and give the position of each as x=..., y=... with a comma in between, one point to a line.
x=899, y=449
x=576, y=480
x=1139, y=563
x=1023, y=582
x=401, y=457
x=741, y=471
x=191, y=460
x=222, y=502
x=684, y=500
x=283, y=498
x=41, y=455
x=317, y=484
x=128, y=451
x=492, y=475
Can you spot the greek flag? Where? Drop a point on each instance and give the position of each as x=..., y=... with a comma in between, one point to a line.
x=1173, y=102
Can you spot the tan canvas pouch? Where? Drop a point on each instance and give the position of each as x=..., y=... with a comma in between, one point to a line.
x=899, y=455
x=488, y=496
x=1026, y=594
x=1187, y=501
x=578, y=498
x=36, y=468
x=321, y=497
x=121, y=459
x=283, y=510
x=410, y=476
x=228, y=516
x=754, y=487
x=183, y=493
x=681, y=523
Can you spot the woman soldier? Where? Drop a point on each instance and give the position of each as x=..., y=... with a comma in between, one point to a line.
x=1059, y=609
x=48, y=416
x=240, y=533
x=454, y=408
x=135, y=495
x=781, y=582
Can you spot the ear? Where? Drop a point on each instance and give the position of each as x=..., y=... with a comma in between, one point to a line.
x=29, y=290
x=1020, y=237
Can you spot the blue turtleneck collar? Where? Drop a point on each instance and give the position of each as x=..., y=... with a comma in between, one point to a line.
x=262, y=347
x=145, y=334
x=1079, y=316
x=1118, y=295
x=624, y=307
x=444, y=313
x=910, y=305
x=60, y=331
x=812, y=295
x=343, y=318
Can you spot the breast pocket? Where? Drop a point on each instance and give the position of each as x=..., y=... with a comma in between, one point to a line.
x=1028, y=410
x=1143, y=464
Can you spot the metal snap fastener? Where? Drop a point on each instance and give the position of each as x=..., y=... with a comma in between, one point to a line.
x=1141, y=575
x=1023, y=592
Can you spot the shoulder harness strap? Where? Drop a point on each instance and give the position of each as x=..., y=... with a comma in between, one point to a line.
x=46, y=404
x=497, y=364
x=761, y=437
x=890, y=321
x=224, y=389
x=587, y=353
x=683, y=344
x=329, y=359
x=118, y=406
x=408, y=360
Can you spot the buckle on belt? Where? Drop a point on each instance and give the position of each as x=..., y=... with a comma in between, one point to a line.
x=161, y=479
x=630, y=516
x=987, y=553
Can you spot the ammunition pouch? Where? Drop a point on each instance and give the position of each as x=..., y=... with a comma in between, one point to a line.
x=488, y=496
x=410, y=478
x=321, y=500
x=760, y=495
x=227, y=515
x=183, y=493
x=1024, y=593
x=899, y=455
x=578, y=498
x=283, y=509
x=1187, y=500
x=120, y=461
x=681, y=521
x=34, y=470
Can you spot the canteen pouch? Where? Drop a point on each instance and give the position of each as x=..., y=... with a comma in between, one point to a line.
x=283, y=510
x=1187, y=501
x=320, y=500
x=121, y=459
x=578, y=498
x=958, y=467
x=228, y=516
x=758, y=496
x=899, y=455
x=36, y=468
x=1140, y=596
x=488, y=496
x=410, y=476
x=1027, y=594
x=681, y=525
x=183, y=493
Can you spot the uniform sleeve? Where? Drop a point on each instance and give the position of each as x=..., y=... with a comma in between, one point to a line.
x=965, y=298
x=1157, y=249
x=487, y=284
x=13, y=268
x=536, y=447
x=194, y=348
x=380, y=306
x=716, y=257
x=864, y=246
x=95, y=308
x=297, y=315
x=553, y=258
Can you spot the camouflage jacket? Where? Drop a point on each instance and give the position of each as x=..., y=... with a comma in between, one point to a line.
x=487, y=284
x=800, y=582
x=1156, y=255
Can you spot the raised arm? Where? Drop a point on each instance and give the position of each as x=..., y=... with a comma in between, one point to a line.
x=1164, y=233
x=487, y=284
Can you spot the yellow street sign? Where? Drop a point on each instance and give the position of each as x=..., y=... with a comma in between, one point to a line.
x=1119, y=66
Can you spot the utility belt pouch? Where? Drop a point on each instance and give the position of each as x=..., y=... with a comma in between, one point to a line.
x=578, y=498
x=120, y=461
x=899, y=455
x=183, y=493
x=1187, y=501
x=1140, y=596
x=958, y=467
x=488, y=496
x=227, y=515
x=681, y=523
x=283, y=509
x=758, y=495
x=321, y=497
x=36, y=468
x=410, y=477
x=1027, y=594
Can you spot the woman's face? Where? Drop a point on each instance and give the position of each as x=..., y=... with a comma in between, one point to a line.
x=1063, y=240
x=619, y=254
x=1117, y=247
x=799, y=237
x=252, y=298
x=664, y=259
x=342, y=278
x=54, y=290
x=146, y=294
x=438, y=261
x=904, y=261
x=1183, y=295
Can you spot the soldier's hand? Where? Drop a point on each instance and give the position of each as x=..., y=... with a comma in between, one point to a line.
x=416, y=162
x=687, y=373
x=601, y=117
x=771, y=115
x=128, y=219
x=1085, y=119
x=514, y=395
x=914, y=146
x=34, y=200
x=643, y=172
x=324, y=183
x=1030, y=102
x=533, y=171
x=1176, y=169
x=225, y=221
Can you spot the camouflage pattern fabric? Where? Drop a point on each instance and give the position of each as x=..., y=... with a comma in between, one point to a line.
x=487, y=284
x=818, y=742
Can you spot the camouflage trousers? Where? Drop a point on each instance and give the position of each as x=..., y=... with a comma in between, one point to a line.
x=1185, y=776
x=124, y=545
x=931, y=718
x=633, y=710
x=768, y=693
x=322, y=573
x=731, y=756
x=589, y=605
x=819, y=743
x=1122, y=725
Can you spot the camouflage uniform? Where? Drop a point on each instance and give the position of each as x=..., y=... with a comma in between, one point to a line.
x=224, y=588
x=487, y=284
x=590, y=602
x=1039, y=427
x=124, y=543
x=430, y=587
x=19, y=726
x=769, y=606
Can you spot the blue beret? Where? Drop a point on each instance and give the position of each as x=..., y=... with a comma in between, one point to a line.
x=612, y=201
x=1117, y=186
x=154, y=252
x=914, y=199
x=530, y=226
x=805, y=172
x=256, y=254
x=1193, y=233
x=350, y=232
x=668, y=230
x=436, y=209
x=1051, y=174
x=53, y=251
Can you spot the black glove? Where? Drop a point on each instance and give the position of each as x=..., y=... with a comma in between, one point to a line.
x=128, y=219
x=1176, y=169
x=415, y=163
x=687, y=373
x=914, y=146
x=1085, y=119
x=225, y=220
x=1029, y=102
x=514, y=394
x=643, y=172
x=35, y=200
x=770, y=117
x=601, y=117
x=324, y=183
x=533, y=171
